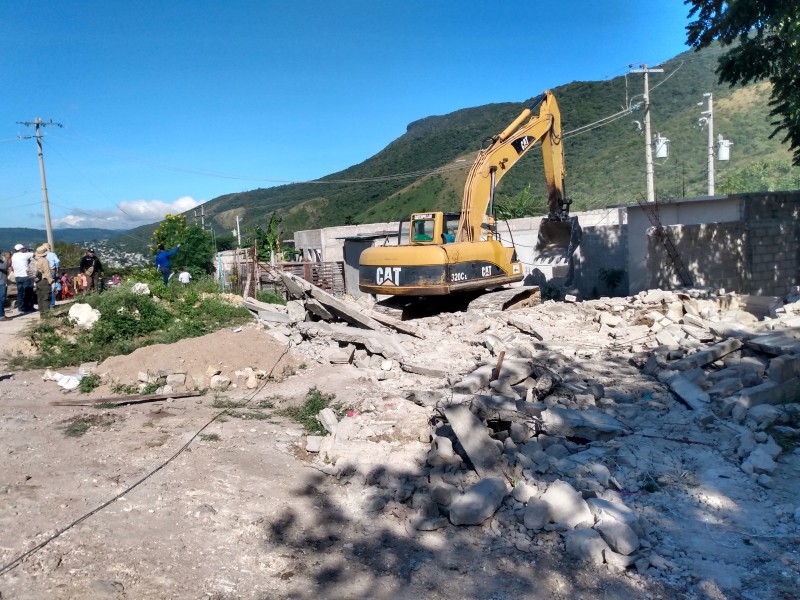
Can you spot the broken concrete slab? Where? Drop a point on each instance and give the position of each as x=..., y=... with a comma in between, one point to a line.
x=770, y=392
x=315, y=308
x=691, y=394
x=775, y=344
x=509, y=299
x=707, y=356
x=483, y=452
x=523, y=325
x=374, y=341
x=589, y=424
x=410, y=367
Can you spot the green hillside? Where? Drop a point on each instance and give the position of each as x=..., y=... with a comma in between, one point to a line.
x=426, y=167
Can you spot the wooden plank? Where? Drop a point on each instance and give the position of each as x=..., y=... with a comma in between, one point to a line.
x=119, y=400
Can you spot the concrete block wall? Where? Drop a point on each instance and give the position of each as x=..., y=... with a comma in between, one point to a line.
x=714, y=254
x=604, y=247
x=772, y=221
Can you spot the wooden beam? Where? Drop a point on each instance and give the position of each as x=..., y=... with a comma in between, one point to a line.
x=120, y=400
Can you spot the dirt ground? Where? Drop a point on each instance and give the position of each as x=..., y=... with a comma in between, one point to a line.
x=242, y=514
x=237, y=515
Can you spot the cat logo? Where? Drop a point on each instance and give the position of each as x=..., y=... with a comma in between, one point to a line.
x=388, y=275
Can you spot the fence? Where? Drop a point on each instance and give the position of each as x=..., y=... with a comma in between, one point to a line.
x=243, y=275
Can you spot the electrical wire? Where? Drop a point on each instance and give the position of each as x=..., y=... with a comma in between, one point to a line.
x=14, y=563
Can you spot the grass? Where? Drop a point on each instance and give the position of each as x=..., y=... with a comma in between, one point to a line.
x=306, y=413
x=270, y=297
x=89, y=383
x=129, y=321
x=209, y=437
x=78, y=426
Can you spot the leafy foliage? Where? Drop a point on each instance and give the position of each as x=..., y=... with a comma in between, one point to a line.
x=129, y=321
x=197, y=245
x=762, y=176
x=523, y=204
x=764, y=41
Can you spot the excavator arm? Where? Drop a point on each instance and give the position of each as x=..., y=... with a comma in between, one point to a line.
x=505, y=150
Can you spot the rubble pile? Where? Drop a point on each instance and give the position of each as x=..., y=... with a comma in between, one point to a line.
x=577, y=426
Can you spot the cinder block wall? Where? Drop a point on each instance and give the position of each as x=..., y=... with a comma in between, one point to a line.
x=773, y=252
x=714, y=255
x=604, y=248
x=759, y=255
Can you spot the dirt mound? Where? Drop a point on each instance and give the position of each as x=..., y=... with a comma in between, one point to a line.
x=228, y=350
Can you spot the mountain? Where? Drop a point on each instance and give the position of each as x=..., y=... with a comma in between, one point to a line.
x=11, y=236
x=425, y=168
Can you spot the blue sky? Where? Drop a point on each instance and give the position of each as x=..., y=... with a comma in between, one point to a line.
x=166, y=105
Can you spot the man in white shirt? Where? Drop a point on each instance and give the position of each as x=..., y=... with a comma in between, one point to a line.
x=184, y=276
x=19, y=263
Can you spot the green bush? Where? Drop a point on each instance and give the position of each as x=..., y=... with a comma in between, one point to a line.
x=129, y=321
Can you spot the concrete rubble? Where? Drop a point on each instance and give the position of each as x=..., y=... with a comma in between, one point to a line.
x=506, y=422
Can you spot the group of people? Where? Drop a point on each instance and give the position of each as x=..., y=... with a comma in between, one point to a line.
x=39, y=283
x=36, y=275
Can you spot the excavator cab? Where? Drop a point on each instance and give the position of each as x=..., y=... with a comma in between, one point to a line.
x=433, y=228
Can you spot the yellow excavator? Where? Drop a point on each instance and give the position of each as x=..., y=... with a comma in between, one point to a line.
x=459, y=252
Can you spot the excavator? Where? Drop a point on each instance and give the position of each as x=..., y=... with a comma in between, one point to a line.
x=447, y=253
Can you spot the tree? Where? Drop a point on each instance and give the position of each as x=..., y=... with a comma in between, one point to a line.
x=197, y=245
x=768, y=36
x=267, y=241
x=523, y=204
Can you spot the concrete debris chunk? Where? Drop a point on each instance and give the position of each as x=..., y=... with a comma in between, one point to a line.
x=590, y=424
x=83, y=315
x=327, y=418
x=536, y=514
x=482, y=451
x=428, y=371
x=567, y=508
x=478, y=502
x=585, y=545
x=619, y=536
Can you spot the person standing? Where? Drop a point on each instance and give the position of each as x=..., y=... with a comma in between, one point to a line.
x=162, y=261
x=19, y=264
x=5, y=260
x=44, y=280
x=92, y=269
x=55, y=263
x=184, y=276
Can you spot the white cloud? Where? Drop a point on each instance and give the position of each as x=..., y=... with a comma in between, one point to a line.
x=127, y=214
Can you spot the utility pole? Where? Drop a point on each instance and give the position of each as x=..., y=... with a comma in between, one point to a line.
x=648, y=144
x=38, y=123
x=238, y=233
x=708, y=119
x=202, y=216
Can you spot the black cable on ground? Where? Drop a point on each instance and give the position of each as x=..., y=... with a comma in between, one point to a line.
x=14, y=563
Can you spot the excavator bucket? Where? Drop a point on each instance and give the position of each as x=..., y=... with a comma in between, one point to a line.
x=557, y=242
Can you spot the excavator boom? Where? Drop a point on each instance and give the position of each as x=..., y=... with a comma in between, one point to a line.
x=439, y=259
